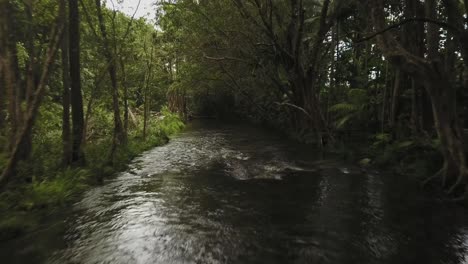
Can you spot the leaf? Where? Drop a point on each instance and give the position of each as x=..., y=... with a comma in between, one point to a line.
x=312, y=20
x=358, y=96
x=404, y=144
x=342, y=122
x=365, y=162
x=343, y=108
x=383, y=137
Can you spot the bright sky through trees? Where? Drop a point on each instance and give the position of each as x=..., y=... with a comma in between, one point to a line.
x=144, y=8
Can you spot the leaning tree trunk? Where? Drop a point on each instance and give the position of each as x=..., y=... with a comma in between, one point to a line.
x=447, y=123
x=32, y=110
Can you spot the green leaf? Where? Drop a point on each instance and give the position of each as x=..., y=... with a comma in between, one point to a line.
x=404, y=144
x=343, y=108
x=342, y=122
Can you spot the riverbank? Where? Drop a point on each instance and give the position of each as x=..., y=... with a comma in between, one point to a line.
x=237, y=193
x=416, y=158
x=45, y=189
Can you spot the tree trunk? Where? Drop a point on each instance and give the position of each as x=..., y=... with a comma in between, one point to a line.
x=32, y=110
x=395, y=98
x=146, y=104
x=119, y=137
x=89, y=110
x=9, y=62
x=2, y=97
x=124, y=84
x=414, y=108
x=78, y=157
x=447, y=123
x=431, y=72
x=66, y=133
x=384, y=100
x=3, y=84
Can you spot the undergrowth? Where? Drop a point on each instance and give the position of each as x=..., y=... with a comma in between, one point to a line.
x=43, y=186
x=416, y=157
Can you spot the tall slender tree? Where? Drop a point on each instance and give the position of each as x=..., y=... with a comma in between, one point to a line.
x=66, y=133
x=9, y=62
x=119, y=133
x=75, y=78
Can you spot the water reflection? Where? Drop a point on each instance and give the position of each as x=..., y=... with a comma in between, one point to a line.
x=240, y=195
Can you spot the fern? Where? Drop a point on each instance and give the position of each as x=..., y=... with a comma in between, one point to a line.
x=343, y=108
x=353, y=109
x=404, y=145
x=342, y=122
x=358, y=96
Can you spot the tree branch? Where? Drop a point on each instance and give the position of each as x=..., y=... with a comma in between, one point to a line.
x=225, y=58
x=297, y=108
x=410, y=20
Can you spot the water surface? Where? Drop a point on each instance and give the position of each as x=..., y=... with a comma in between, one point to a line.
x=238, y=194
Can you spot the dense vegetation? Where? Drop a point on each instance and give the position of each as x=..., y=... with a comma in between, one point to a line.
x=82, y=91
x=387, y=77
x=84, y=88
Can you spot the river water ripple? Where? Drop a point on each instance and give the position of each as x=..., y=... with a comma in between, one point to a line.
x=237, y=194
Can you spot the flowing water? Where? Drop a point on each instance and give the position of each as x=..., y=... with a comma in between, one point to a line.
x=236, y=194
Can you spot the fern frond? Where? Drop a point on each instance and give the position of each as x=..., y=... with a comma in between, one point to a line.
x=343, y=121
x=344, y=108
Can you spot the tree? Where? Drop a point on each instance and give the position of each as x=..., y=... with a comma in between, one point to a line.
x=119, y=133
x=66, y=133
x=23, y=136
x=75, y=78
x=434, y=75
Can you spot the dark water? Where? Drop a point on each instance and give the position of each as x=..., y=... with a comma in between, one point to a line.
x=234, y=194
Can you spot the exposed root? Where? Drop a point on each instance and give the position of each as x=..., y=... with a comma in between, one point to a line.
x=455, y=188
x=457, y=184
x=433, y=177
x=460, y=180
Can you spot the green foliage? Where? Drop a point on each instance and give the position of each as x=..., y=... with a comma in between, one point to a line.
x=142, y=56
x=58, y=190
x=170, y=123
x=15, y=225
x=353, y=110
x=344, y=108
x=53, y=187
x=22, y=54
x=381, y=140
x=418, y=157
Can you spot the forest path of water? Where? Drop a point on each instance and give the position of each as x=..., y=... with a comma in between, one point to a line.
x=237, y=194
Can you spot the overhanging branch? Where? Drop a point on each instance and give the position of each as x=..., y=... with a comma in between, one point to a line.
x=410, y=20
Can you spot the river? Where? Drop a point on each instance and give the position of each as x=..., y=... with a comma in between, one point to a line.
x=238, y=194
